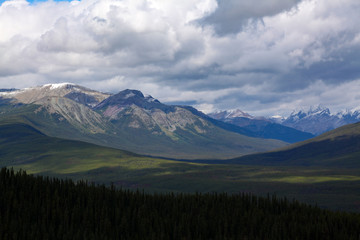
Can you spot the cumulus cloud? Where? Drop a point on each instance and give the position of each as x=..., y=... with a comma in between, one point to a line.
x=265, y=57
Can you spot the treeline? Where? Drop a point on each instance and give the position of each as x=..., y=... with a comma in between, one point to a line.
x=34, y=207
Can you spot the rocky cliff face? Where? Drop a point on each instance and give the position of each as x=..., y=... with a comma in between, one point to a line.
x=78, y=115
x=149, y=113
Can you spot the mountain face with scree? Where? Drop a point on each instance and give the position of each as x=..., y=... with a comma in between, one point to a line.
x=127, y=120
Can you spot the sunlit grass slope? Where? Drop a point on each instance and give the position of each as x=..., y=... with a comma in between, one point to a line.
x=23, y=145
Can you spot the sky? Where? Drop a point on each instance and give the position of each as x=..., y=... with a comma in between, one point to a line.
x=263, y=57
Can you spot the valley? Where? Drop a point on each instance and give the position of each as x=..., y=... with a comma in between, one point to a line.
x=136, y=142
x=160, y=120
x=23, y=147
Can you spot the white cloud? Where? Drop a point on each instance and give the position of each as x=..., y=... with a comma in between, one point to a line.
x=173, y=50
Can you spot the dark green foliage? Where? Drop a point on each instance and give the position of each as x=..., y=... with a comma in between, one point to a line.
x=48, y=208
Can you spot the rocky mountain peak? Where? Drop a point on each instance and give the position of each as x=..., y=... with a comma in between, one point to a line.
x=230, y=114
x=311, y=112
x=135, y=94
x=130, y=93
x=318, y=110
x=319, y=119
x=238, y=113
x=129, y=97
x=72, y=91
x=54, y=86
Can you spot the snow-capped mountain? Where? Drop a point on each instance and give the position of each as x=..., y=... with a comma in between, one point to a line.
x=228, y=114
x=261, y=126
x=277, y=119
x=319, y=119
x=71, y=91
x=315, y=119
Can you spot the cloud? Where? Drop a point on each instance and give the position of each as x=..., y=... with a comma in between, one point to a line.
x=265, y=57
x=232, y=15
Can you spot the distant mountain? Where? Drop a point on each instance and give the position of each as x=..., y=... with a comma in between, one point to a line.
x=7, y=89
x=317, y=120
x=127, y=120
x=314, y=121
x=260, y=126
x=337, y=148
x=230, y=114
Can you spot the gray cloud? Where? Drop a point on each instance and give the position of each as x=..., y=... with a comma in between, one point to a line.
x=296, y=55
x=232, y=15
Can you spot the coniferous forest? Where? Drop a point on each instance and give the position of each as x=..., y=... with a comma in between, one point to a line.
x=35, y=207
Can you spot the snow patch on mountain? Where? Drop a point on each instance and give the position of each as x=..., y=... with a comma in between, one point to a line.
x=129, y=95
x=9, y=93
x=77, y=93
x=230, y=114
x=150, y=99
x=238, y=113
x=315, y=119
x=277, y=119
x=319, y=119
x=58, y=85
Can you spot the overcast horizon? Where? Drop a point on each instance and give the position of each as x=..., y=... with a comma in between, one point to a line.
x=263, y=57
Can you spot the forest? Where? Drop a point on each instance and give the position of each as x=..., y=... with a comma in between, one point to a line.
x=37, y=207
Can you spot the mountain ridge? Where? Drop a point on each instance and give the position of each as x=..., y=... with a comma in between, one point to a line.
x=34, y=94
x=319, y=119
x=261, y=126
x=314, y=119
x=127, y=120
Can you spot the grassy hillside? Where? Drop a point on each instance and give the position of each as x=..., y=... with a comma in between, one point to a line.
x=337, y=148
x=23, y=147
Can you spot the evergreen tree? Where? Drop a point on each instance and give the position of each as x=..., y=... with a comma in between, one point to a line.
x=48, y=208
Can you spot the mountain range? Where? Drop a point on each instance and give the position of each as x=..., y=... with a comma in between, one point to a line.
x=69, y=131
x=319, y=119
x=315, y=121
x=261, y=126
x=129, y=121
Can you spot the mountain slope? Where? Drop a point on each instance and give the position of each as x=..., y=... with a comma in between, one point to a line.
x=261, y=127
x=336, y=148
x=23, y=145
x=127, y=120
x=183, y=132
x=77, y=93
